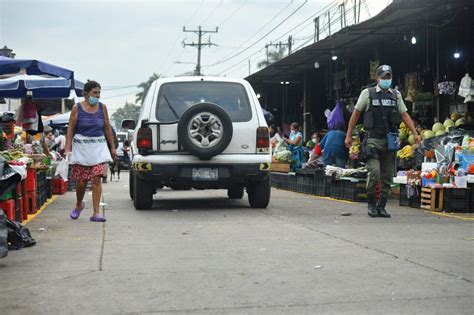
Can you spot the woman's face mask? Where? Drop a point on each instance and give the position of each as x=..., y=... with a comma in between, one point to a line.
x=93, y=100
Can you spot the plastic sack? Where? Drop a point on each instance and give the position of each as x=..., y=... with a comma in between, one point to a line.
x=336, y=117
x=63, y=169
x=281, y=146
x=3, y=235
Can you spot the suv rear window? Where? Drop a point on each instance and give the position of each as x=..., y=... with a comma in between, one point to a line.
x=175, y=98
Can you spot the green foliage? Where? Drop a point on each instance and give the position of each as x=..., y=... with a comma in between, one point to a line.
x=273, y=56
x=128, y=111
x=145, y=86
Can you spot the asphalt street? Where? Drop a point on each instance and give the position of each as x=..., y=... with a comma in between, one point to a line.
x=199, y=252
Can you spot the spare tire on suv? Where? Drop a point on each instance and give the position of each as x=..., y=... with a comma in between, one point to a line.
x=205, y=130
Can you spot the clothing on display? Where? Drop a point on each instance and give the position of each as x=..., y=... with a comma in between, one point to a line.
x=466, y=88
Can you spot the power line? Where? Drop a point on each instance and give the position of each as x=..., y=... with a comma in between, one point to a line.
x=232, y=14
x=258, y=40
x=258, y=31
x=119, y=95
x=212, y=12
x=297, y=26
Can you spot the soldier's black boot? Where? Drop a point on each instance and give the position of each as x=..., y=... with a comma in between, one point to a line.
x=381, y=206
x=372, y=207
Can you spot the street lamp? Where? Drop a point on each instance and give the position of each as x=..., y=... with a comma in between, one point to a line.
x=413, y=40
x=457, y=55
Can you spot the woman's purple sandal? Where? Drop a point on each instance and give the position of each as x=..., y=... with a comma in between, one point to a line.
x=97, y=218
x=75, y=213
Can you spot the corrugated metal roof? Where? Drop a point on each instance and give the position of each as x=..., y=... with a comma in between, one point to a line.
x=398, y=18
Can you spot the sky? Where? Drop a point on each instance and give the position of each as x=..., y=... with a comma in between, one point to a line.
x=121, y=43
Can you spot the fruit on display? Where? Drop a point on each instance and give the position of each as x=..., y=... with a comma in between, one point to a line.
x=455, y=116
x=411, y=139
x=440, y=133
x=459, y=122
x=406, y=152
x=448, y=123
x=355, y=148
x=428, y=134
x=438, y=127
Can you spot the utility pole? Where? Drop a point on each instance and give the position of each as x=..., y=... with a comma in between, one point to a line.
x=290, y=43
x=199, y=44
x=316, y=29
x=329, y=22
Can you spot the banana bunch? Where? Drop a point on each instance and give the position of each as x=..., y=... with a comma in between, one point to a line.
x=404, y=128
x=12, y=155
x=355, y=148
x=407, y=152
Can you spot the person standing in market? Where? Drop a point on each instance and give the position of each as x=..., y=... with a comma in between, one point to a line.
x=383, y=108
x=89, y=140
x=334, y=151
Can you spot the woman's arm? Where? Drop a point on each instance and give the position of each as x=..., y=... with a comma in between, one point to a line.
x=70, y=130
x=108, y=132
x=296, y=141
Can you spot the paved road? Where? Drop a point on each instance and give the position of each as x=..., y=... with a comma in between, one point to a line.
x=198, y=252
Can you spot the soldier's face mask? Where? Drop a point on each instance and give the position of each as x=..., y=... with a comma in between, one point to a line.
x=385, y=83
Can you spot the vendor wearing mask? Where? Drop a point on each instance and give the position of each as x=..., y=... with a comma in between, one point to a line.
x=295, y=145
x=382, y=107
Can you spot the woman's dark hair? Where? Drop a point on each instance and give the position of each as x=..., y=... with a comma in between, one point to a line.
x=295, y=125
x=127, y=143
x=91, y=85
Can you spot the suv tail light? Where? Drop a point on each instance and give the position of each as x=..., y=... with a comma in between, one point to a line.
x=263, y=138
x=144, y=139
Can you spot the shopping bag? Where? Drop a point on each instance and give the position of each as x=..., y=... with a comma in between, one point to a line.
x=63, y=168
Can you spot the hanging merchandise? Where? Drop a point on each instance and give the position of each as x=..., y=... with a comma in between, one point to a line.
x=27, y=115
x=466, y=88
x=447, y=88
x=336, y=117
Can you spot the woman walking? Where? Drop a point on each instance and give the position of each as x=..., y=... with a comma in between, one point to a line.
x=90, y=142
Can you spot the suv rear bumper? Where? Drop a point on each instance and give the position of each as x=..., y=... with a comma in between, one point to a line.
x=228, y=174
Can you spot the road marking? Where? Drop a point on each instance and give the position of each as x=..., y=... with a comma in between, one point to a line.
x=46, y=204
x=451, y=216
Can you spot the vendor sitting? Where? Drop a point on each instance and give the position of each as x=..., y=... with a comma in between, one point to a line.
x=334, y=150
x=295, y=143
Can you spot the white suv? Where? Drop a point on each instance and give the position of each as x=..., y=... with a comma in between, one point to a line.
x=202, y=133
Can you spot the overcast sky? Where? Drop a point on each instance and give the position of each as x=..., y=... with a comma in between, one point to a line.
x=121, y=43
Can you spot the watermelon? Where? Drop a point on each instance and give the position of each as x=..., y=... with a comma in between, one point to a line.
x=440, y=133
x=448, y=123
x=459, y=122
x=438, y=127
x=428, y=134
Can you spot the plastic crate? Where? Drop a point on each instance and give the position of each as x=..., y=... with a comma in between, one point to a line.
x=305, y=181
x=471, y=199
x=351, y=190
x=412, y=201
x=49, y=191
x=292, y=182
x=457, y=200
x=321, y=185
x=9, y=208
x=59, y=186
x=30, y=202
x=31, y=180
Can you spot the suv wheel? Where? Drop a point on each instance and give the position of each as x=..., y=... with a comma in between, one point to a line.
x=130, y=183
x=205, y=130
x=259, y=193
x=142, y=194
x=235, y=192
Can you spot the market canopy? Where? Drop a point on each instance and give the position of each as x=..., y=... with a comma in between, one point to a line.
x=58, y=120
x=33, y=67
x=40, y=87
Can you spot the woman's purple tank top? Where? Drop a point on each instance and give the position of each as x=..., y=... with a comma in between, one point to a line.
x=90, y=125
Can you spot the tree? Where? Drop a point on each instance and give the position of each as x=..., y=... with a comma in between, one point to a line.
x=273, y=56
x=145, y=86
x=128, y=111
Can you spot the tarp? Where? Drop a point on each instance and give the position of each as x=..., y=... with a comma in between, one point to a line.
x=33, y=67
x=40, y=87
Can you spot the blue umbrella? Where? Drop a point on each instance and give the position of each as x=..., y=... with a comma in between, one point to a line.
x=33, y=67
x=40, y=87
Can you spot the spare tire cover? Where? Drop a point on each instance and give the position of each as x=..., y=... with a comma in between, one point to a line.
x=205, y=130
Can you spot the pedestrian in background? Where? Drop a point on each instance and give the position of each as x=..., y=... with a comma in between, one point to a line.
x=334, y=150
x=382, y=107
x=89, y=140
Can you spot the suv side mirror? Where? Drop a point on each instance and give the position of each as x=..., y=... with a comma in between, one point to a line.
x=128, y=124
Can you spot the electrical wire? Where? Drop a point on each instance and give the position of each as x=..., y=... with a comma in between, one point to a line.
x=227, y=18
x=262, y=37
x=212, y=12
x=119, y=95
x=258, y=31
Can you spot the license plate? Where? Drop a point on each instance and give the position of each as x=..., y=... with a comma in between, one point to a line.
x=205, y=174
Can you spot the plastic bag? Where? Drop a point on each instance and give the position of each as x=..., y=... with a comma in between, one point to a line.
x=63, y=169
x=281, y=146
x=3, y=235
x=336, y=117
